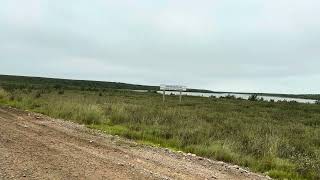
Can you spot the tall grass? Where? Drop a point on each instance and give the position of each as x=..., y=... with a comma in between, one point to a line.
x=3, y=94
x=279, y=139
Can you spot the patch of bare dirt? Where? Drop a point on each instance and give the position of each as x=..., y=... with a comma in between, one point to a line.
x=34, y=146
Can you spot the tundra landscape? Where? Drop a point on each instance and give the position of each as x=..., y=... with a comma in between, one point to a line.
x=165, y=89
x=276, y=139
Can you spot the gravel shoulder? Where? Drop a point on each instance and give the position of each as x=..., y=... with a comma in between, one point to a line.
x=34, y=146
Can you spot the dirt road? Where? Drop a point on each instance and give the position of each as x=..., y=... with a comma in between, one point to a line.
x=33, y=146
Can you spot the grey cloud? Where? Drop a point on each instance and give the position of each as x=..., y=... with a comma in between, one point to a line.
x=224, y=45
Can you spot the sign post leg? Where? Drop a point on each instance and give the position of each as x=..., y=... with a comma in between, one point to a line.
x=164, y=95
x=170, y=88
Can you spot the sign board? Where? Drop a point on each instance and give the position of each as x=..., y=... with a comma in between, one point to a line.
x=165, y=88
x=172, y=87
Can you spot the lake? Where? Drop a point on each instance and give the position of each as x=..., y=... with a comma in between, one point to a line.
x=243, y=96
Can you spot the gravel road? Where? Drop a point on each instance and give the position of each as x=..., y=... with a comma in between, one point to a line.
x=34, y=146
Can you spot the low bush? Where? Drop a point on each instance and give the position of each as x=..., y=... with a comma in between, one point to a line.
x=60, y=92
x=253, y=97
x=3, y=94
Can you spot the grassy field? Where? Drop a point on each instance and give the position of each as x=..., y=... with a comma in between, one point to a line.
x=25, y=82
x=279, y=139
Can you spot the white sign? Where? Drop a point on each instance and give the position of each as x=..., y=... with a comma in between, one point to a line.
x=165, y=88
x=172, y=87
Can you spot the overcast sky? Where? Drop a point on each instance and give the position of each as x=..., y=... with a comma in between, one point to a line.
x=226, y=45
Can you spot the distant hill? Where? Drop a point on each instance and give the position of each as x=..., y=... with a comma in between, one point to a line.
x=22, y=82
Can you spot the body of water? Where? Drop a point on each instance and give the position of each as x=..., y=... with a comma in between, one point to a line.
x=243, y=96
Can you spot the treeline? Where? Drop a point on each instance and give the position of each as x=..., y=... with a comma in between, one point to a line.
x=23, y=82
x=300, y=96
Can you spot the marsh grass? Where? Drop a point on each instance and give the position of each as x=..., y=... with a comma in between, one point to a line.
x=279, y=139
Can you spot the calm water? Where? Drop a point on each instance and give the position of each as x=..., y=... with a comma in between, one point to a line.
x=243, y=96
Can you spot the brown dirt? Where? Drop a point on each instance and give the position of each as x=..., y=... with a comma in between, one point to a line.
x=34, y=146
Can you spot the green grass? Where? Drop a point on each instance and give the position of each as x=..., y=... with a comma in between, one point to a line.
x=278, y=139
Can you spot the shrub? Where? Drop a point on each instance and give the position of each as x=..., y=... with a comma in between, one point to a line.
x=230, y=96
x=153, y=91
x=37, y=95
x=91, y=114
x=12, y=98
x=3, y=94
x=61, y=92
x=57, y=86
x=253, y=97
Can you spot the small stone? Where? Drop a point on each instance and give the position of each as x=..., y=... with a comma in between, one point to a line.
x=235, y=167
x=190, y=154
x=91, y=141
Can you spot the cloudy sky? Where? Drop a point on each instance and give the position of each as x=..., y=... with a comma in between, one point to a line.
x=227, y=45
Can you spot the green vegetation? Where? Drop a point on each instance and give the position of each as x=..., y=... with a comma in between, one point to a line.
x=301, y=96
x=24, y=82
x=280, y=139
x=253, y=97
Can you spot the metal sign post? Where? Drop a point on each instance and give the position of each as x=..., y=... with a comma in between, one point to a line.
x=165, y=88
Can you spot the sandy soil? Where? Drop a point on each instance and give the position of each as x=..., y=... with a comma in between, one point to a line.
x=33, y=146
